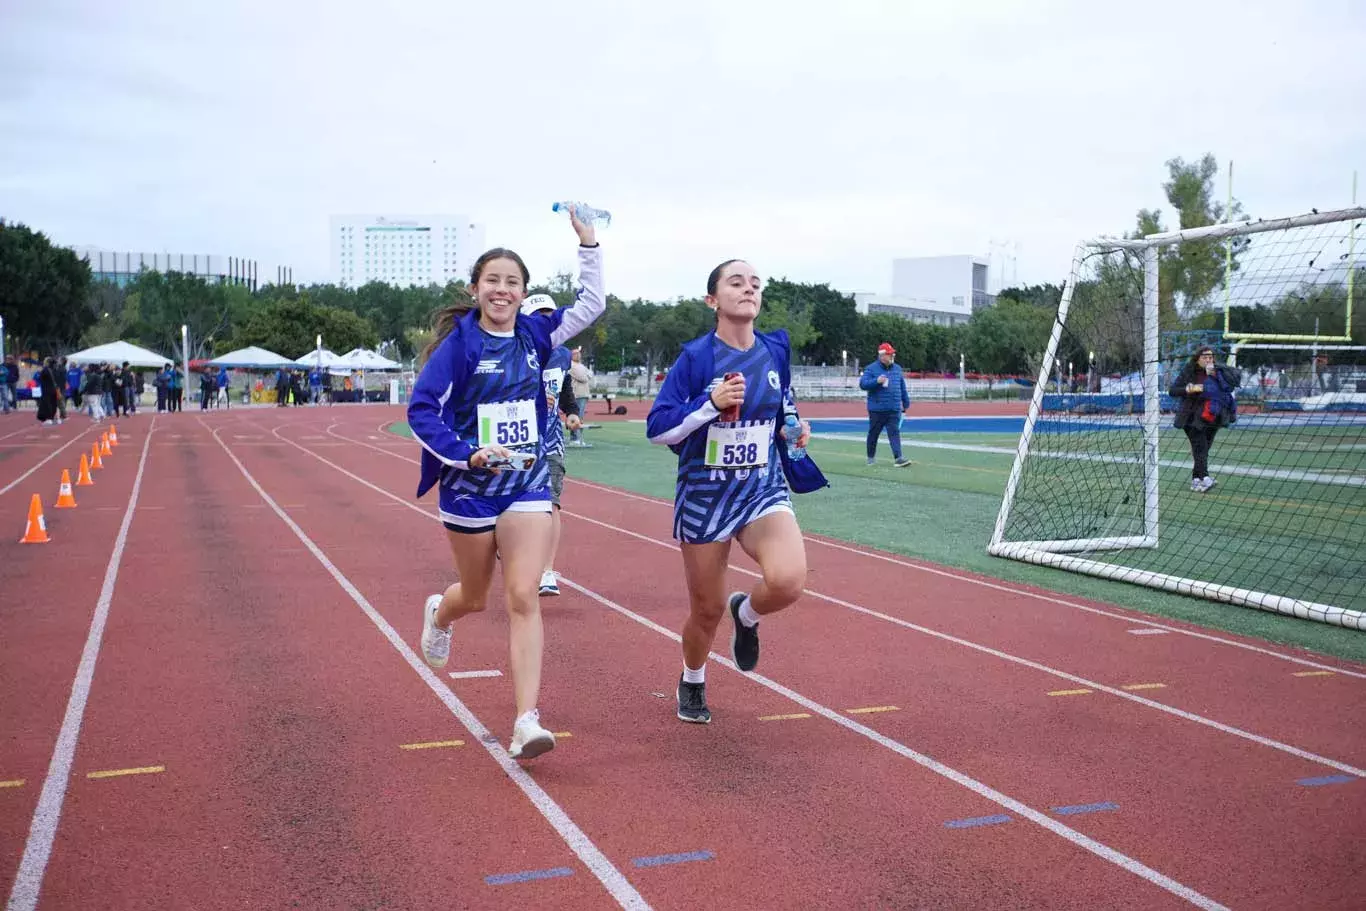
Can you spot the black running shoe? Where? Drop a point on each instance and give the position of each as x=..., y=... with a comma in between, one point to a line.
x=692, y=702
x=744, y=640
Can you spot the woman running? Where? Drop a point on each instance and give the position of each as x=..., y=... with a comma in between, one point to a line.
x=722, y=409
x=477, y=409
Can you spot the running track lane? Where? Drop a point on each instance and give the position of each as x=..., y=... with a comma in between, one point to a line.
x=840, y=829
x=1186, y=792
x=1096, y=732
x=1199, y=676
x=31, y=461
x=232, y=660
x=1246, y=689
x=49, y=595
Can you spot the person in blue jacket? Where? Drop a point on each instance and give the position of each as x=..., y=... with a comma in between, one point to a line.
x=1204, y=393
x=559, y=396
x=477, y=408
x=734, y=475
x=885, y=383
x=75, y=376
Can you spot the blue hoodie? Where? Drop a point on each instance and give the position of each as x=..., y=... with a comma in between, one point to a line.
x=683, y=408
x=431, y=410
x=893, y=396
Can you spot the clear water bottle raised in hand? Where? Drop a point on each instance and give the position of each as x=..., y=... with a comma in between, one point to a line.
x=587, y=214
x=794, y=431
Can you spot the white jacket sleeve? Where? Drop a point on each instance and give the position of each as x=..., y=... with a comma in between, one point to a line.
x=589, y=302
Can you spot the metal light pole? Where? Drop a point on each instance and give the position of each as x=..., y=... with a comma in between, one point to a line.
x=185, y=352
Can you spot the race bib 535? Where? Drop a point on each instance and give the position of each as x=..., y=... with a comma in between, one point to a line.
x=508, y=424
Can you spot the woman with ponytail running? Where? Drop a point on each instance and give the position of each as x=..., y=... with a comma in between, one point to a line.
x=477, y=409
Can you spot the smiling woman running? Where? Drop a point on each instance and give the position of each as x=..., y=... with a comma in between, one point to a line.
x=721, y=409
x=477, y=409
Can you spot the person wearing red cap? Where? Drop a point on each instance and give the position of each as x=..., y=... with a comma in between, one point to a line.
x=885, y=383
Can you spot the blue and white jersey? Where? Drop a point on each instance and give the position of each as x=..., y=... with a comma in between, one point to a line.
x=710, y=498
x=509, y=373
x=554, y=375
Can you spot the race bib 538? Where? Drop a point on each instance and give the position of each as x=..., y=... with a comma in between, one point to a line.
x=741, y=445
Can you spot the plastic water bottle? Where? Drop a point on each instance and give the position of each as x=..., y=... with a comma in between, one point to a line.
x=585, y=212
x=794, y=430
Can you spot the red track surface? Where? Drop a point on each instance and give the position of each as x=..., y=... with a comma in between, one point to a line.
x=233, y=658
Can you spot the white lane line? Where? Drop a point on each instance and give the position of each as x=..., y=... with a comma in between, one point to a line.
x=38, y=848
x=471, y=675
x=1002, y=587
x=578, y=841
x=388, y=452
x=29, y=429
x=1005, y=656
x=1025, y=662
x=6, y=489
x=1097, y=848
x=1100, y=849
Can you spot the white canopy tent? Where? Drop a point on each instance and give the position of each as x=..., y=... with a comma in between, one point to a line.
x=117, y=353
x=252, y=358
x=311, y=359
x=365, y=359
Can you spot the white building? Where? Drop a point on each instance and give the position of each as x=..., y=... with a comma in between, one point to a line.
x=942, y=290
x=403, y=249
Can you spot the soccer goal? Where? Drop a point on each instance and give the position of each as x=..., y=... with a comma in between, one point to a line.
x=1102, y=482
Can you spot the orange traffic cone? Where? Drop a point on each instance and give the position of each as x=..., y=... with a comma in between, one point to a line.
x=95, y=460
x=113, y=436
x=83, y=479
x=36, y=531
x=66, y=499
x=104, y=445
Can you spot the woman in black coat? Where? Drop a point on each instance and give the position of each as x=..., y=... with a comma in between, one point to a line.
x=1204, y=391
x=47, y=393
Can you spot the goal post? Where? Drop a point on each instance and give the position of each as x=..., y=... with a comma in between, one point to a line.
x=1102, y=483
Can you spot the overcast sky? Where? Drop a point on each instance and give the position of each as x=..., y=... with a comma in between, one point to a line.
x=817, y=140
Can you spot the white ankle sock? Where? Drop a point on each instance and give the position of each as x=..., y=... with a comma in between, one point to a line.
x=695, y=676
x=747, y=615
x=529, y=714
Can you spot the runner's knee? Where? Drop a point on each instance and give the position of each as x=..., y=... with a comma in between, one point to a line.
x=523, y=596
x=707, y=608
x=786, y=581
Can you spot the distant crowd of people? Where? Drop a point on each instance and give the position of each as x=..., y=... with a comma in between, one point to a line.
x=304, y=387
x=103, y=390
x=110, y=390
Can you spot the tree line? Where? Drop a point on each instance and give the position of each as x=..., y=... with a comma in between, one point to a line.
x=52, y=305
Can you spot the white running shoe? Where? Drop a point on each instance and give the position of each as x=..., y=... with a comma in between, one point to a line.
x=549, y=585
x=1209, y=483
x=436, y=642
x=529, y=739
